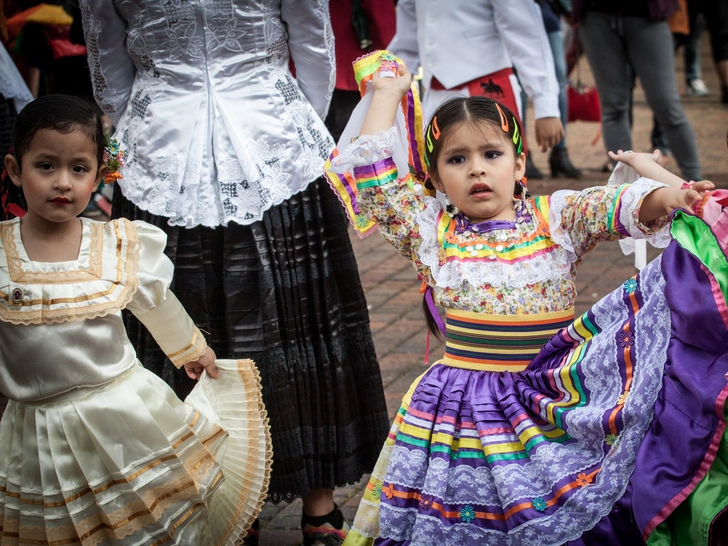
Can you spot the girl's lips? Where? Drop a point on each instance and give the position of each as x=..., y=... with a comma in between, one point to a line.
x=60, y=201
x=478, y=189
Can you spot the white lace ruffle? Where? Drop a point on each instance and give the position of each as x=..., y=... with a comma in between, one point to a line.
x=546, y=267
x=366, y=150
x=559, y=234
x=629, y=217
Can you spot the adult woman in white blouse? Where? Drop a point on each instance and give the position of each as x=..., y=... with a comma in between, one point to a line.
x=225, y=149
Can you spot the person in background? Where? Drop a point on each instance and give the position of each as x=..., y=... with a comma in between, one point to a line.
x=559, y=161
x=360, y=26
x=470, y=47
x=622, y=38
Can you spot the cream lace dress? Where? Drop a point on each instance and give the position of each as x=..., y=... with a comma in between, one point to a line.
x=94, y=449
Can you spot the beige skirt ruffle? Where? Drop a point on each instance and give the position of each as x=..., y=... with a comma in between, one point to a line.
x=129, y=463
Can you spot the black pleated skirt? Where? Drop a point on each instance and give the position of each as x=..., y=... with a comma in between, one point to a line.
x=285, y=292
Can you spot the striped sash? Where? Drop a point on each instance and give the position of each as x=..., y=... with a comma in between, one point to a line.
x=499, y=343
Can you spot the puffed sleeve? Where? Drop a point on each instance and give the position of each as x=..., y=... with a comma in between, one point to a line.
x=111, y=67
x=579, y=220
x=311, y=43
x=382, y=198
x=157, y=307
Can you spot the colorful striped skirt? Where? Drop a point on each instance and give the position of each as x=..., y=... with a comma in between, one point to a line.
x=540, y=430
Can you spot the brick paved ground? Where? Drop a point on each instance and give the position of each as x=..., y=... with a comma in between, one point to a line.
x=391, y=284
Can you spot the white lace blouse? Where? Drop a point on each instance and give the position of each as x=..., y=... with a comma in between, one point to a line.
x=215, y=127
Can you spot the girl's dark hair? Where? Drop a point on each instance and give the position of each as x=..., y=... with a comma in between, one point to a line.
x=62, y=113
x=452, y=113
x=470, y=109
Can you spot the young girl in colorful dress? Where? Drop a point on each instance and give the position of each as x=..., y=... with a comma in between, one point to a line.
x=94, y=449
x=536, y=428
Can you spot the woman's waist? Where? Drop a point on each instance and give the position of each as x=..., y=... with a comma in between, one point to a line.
x=480, y=341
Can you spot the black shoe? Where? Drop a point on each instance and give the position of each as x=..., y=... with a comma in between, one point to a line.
x=328, y=530
x=561, y=165
x=724, y=95
x=532, y=173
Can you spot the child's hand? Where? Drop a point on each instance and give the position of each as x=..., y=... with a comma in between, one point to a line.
x=665, y=200
x=206, y=362
x=397, y=87
x=388, y=93
x=649, y=166
x=689, y=198
x=636, y=160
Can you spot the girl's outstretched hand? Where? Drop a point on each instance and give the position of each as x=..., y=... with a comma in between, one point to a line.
x=665, y=200
x=636, y=159
x=648, y=165
x=206, y=362
x=688, y=198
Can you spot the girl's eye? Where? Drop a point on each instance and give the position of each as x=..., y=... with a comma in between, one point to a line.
x=44, y=166
x=492, y=154
x=80, y=169
x=456, y=160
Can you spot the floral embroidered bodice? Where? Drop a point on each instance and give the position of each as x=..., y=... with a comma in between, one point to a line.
x=500, y=268
x=214, y=125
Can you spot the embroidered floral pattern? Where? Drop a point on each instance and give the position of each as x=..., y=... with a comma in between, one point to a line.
x=582, y=480
x=467, y=513
x=539, y=504
x=630, y=285
x=388, y=491
x=626, y=339
x=425, y=502
x=498, y=280
x=377, y=490
x=610, y=439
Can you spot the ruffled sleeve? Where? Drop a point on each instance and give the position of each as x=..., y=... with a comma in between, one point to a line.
x=156, y=306
x=383, y=198
x=579, y=220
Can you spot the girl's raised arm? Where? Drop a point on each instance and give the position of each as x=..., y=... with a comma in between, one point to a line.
x=388, y=92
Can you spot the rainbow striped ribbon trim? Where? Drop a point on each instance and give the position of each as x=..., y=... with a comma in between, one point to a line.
x=345, y=186
x=613, y=222
x=498, y=343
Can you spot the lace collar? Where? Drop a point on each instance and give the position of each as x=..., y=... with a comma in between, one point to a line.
x=100, y=281
x=495, y=253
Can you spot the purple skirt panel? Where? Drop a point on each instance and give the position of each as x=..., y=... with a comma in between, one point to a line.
x=610, y=427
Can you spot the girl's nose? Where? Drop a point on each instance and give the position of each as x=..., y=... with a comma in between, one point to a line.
x=477, y=168
x=63, y=181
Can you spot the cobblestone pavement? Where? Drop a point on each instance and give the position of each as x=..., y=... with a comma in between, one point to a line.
x=392, y=288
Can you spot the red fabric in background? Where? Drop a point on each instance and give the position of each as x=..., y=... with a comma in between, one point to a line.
x=584, y=104
x=382, y=21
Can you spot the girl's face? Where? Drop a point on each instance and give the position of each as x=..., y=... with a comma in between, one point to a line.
x=477, y=169
x=58, y=175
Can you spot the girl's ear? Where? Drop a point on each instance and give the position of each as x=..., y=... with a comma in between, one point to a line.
x=520, y=166
x=100, y=175
x=13, y=168
x=436, y=182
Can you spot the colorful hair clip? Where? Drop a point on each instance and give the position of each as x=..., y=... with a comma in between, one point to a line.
x=436, y=132
x=113, y=159
x=517, y=140
x=503, y=118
